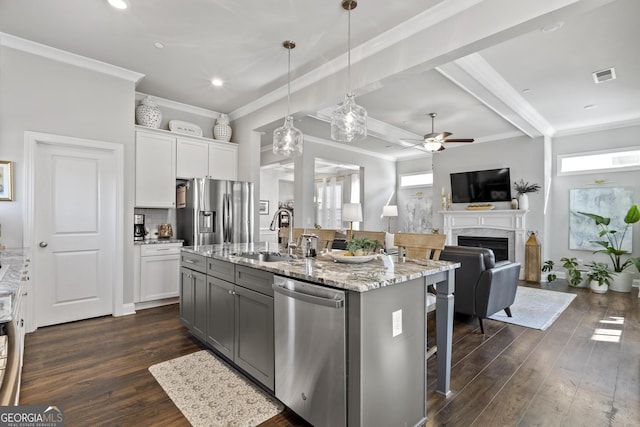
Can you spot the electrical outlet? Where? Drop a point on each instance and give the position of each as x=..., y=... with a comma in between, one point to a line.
x=396, y=323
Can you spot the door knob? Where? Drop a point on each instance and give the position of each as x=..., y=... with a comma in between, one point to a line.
x=43, y=244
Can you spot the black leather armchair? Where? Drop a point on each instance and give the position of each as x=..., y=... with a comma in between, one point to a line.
x=483, y=286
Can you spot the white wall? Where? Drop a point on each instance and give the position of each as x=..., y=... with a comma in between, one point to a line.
x=44, y=95
x=523, y=156
x=560, y=186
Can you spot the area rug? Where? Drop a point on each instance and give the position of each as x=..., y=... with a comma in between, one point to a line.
x=535, y=308
x=210, y=393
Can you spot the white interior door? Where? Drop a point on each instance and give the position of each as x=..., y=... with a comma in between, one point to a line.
x=75, y=232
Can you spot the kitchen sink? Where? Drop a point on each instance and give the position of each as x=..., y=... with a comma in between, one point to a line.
x=266, y=257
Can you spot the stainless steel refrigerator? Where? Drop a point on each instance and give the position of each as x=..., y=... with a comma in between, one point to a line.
x=216, y=211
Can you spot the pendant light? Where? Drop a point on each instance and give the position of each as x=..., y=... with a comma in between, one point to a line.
x=349, y=121
x=287, y=140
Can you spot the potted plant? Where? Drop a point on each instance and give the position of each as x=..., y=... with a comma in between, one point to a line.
x=599, y=277
x=612, y=246
x=547, y=267
x=522, y=188
x=360, y=247
x=574, y=273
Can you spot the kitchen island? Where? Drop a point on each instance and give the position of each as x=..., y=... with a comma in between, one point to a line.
x=385, y=325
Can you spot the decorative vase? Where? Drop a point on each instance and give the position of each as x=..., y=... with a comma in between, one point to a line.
x=514, y=203
x=597, y=288
x=621, y=282
x=222, y=130
x=148, y=114
x=523, y=203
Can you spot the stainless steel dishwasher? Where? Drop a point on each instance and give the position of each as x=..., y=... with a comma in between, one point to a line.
x=310, y=351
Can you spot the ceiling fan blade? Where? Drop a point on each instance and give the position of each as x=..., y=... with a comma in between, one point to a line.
x=458, y=140
x=441, y=148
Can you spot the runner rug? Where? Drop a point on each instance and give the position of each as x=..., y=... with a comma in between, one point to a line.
x=536, y=308
x=210, y=393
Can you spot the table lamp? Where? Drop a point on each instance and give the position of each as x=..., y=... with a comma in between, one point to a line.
x=389, y=211
x=351, y=212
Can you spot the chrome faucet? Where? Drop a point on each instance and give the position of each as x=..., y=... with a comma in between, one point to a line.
x=291, y=245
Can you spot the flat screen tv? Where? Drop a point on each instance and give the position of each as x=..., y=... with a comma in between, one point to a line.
x=492, y=185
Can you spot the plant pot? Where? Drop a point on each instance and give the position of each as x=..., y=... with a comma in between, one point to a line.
x=523, y=202
x=597, y=288
x=622, y=282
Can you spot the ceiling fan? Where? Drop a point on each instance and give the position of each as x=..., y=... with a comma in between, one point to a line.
x=434, y=141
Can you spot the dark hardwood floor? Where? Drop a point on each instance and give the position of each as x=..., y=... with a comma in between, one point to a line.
x=512, y=376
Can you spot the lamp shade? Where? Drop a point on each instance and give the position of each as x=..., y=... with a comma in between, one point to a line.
x=390, y=210
x=352, y=212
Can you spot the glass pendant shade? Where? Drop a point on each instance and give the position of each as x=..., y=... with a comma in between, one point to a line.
x=287, y=140
x=349, y=121
x=433, y=145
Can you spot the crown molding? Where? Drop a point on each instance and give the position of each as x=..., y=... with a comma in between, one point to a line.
x=59, y=55
x=604, y=125
x=174, y=105
x=428, y=18
x=346, y=147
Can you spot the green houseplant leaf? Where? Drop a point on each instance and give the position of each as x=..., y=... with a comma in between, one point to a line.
x=613, y=245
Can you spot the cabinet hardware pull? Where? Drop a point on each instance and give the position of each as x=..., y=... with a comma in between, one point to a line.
x=188, y=261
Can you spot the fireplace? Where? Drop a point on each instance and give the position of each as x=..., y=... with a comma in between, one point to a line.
x=489, y=224
x=499, y=245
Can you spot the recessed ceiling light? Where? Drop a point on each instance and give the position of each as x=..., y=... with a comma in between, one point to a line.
x=590, y=106
x=552, y=27
x=217, y=82
x=159, y=45
x=118, y=4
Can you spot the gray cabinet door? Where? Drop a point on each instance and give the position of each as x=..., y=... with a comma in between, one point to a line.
x=221, y=315
x=199, y=328
x=187, y=308
x=254, y=350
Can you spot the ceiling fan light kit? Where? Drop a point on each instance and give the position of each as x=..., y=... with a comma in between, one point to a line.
x=287, y=139
x=349, y=120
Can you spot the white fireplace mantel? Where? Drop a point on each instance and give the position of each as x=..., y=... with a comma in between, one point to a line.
x=507, y=220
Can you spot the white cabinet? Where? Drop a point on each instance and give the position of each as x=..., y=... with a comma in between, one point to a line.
x=192, y=158
x=223, y=160
x=159, y=271
x=155, y=170
x=198, y=159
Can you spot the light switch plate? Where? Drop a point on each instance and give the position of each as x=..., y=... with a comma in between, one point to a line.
x=396, y=322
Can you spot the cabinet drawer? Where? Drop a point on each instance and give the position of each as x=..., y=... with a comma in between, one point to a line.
x=254, y=279
x=221, y=269
x=155, y=249
x=194, y=262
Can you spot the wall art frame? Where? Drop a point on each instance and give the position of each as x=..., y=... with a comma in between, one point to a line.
x=6, y=181
x=610, y=202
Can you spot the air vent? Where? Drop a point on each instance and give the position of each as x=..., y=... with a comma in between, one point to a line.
x=604, y=75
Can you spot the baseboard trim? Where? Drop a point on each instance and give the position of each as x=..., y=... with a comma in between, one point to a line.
x=128, y=309
x=157, y=303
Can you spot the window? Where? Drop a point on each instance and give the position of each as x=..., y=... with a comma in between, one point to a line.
x=416, y=180
x=599, y=161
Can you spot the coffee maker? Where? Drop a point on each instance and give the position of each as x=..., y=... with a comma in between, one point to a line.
x=138, y=228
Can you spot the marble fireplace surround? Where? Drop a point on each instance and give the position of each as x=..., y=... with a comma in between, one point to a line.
x=489, y=223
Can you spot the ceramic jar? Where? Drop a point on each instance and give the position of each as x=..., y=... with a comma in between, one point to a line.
x=148, y=114
x=222, y=130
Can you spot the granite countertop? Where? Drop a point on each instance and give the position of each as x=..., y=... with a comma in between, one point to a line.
x=13, y=274
x=323, y=270
x=157, y=241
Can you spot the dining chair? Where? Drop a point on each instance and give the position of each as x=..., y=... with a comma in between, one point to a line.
x=419, y=245
x=422, y=246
